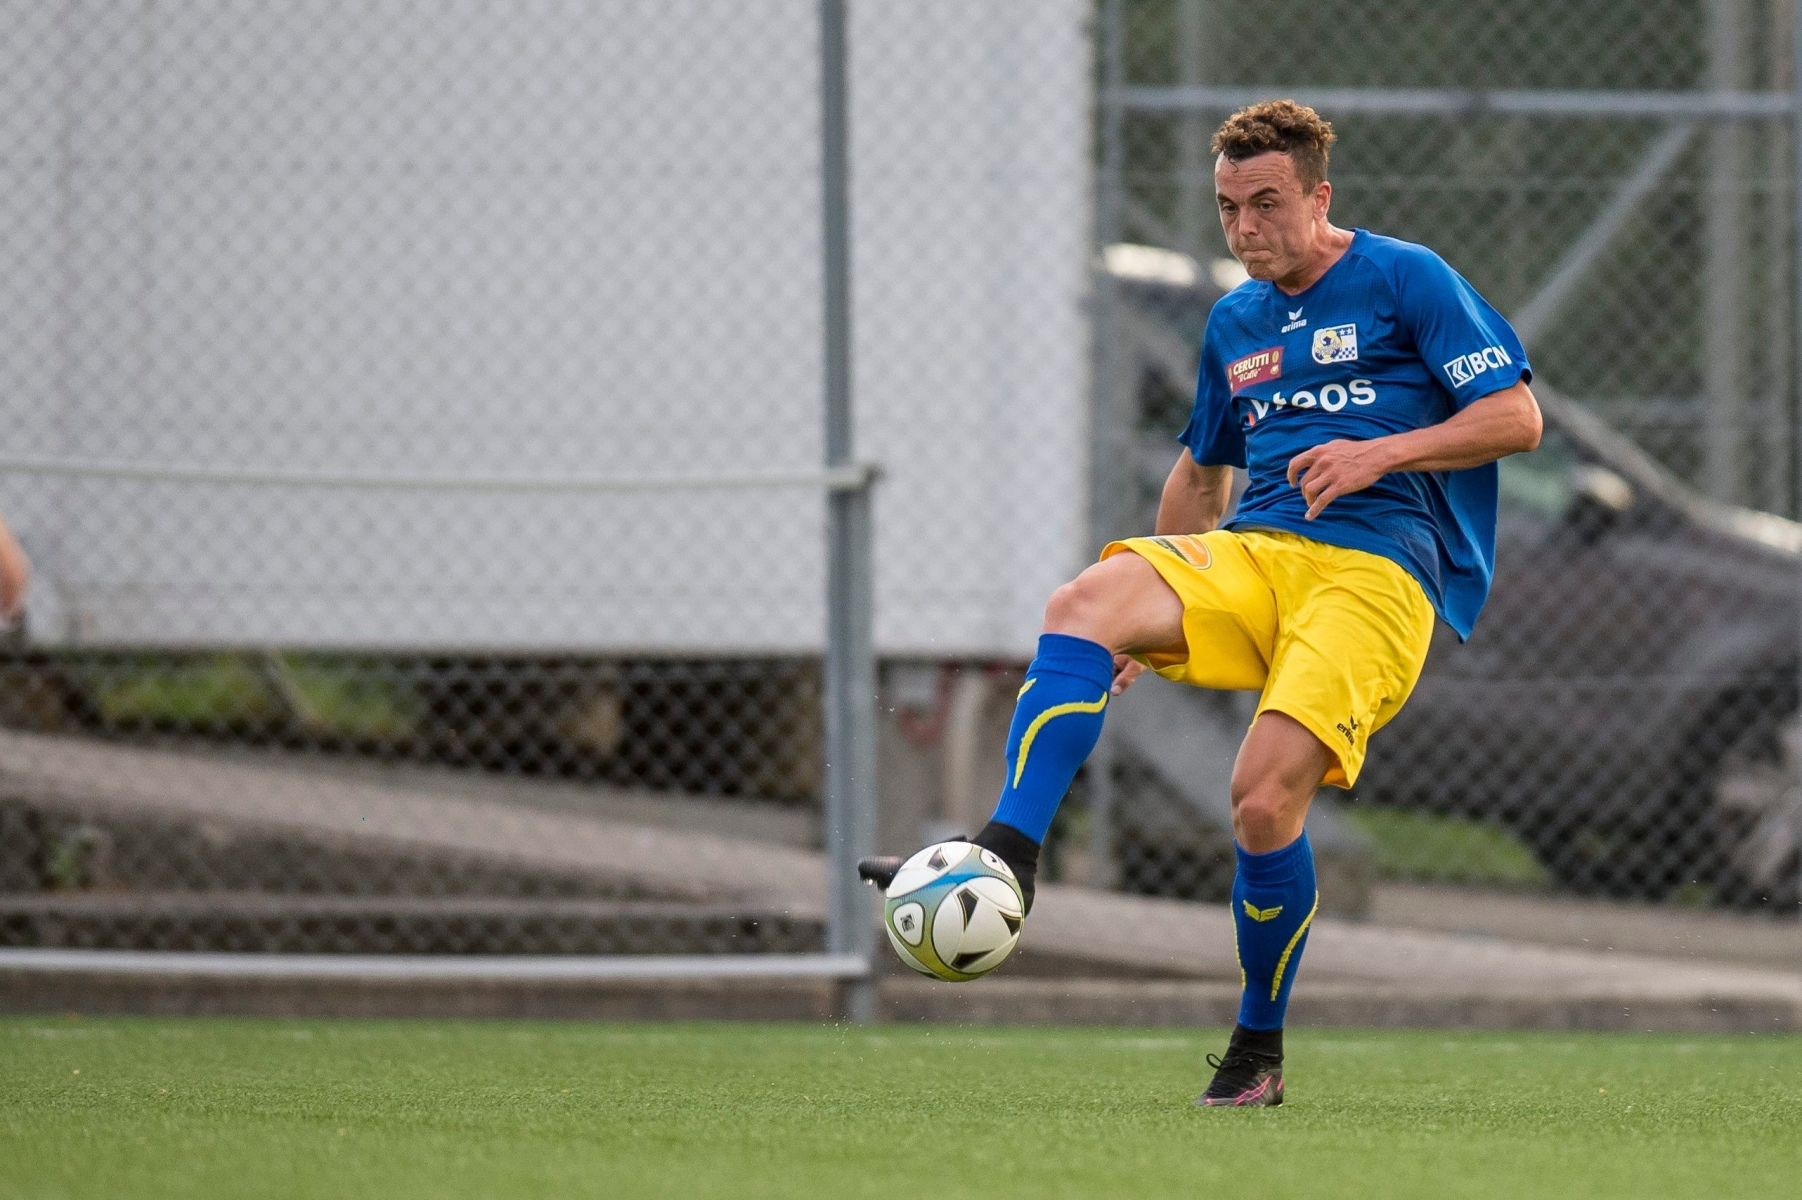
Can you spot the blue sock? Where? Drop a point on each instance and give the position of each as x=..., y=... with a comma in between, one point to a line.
x=1274, y=898
x=1057, y=720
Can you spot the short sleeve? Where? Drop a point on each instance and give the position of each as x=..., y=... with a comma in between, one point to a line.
x=1466, y=344
x=1213, y=436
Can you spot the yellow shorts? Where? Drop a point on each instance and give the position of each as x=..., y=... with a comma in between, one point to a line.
x=1334, y=638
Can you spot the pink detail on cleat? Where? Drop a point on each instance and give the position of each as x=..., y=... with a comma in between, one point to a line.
x=1249, y=1097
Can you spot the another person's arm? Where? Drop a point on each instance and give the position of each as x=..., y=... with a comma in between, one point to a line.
x=15, y=573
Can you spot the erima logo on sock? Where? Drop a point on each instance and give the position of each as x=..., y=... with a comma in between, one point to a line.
x=1261, y=914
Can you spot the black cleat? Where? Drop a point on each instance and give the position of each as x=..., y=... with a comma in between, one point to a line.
x=1246, y=1077
x=1019, y=852
x=879, y=869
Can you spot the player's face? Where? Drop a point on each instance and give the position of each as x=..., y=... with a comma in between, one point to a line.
x=1271, y=224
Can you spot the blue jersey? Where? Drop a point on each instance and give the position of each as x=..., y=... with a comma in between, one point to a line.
x=1388, y=340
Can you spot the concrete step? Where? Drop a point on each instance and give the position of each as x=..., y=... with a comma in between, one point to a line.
x=988, y=1001
x=302, y=924
x=1749, y=939
x=366, y=822
x=1171, y=938
x=1317, y=1004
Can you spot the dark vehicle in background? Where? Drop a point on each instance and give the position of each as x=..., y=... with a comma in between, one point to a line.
x=1627, y=704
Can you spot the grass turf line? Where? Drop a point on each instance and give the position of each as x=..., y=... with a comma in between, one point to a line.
x=218, y=1107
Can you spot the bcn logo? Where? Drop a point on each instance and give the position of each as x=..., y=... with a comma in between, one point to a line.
x=1466, y=367
x=1332, y=397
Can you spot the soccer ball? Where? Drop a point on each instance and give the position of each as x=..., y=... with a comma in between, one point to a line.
x=954, y=911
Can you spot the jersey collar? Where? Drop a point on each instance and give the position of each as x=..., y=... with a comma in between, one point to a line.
x=1359, y=236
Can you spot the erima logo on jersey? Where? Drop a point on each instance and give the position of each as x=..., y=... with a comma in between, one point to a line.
x=1296, y=320
x=1336, y=344
x=1255, y=368
x=1466, y=367
x=1332, y=397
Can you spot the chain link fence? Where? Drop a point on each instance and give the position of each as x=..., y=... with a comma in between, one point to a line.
x=413, y=413
x=1619, y=180
x=417, y=409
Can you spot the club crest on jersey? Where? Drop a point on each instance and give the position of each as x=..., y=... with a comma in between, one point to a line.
x=1336, y=344
x=1255, y=368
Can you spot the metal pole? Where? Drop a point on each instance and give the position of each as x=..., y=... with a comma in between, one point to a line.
x=1112, y=436
x=1540, y=311
x=850, y=691
x=1796, y=310
x=1453, y=102
x=1193, y=193
x=1724, y=306
x=1777, y=363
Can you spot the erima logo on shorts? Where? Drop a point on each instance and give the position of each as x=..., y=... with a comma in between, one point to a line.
x=1466, y=367
x=1255, y=368
x=1336, y=344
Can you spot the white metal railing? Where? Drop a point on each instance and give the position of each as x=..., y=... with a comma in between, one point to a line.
x=511, y=968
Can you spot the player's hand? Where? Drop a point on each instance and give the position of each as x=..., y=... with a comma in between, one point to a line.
x=1126, y=669
x=1335, y=469
x=15, y=576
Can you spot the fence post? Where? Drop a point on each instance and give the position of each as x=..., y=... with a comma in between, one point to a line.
x=1724, y=238
x=1111, y=443
x=850, y=669
x=1795, y=95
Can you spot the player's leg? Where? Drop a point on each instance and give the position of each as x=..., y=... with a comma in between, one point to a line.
x=1281, y=765
x=1194, y=608
x=1354, y=636
x=1120, y=605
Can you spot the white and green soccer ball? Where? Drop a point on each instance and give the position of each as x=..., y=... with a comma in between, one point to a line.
x=954, y=911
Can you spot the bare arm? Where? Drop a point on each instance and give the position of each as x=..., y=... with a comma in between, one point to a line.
x=1195, y=497
x=1194, y=501
x=15, y=573
x=1501, y=423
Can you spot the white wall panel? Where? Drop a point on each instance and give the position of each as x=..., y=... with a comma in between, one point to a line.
x=537, y=238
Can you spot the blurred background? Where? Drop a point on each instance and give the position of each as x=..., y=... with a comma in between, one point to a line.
x=414, y=415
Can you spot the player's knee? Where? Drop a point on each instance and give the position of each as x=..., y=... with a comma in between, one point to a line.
x=1076, y=607
x=1263, y=816
x=1098, y=604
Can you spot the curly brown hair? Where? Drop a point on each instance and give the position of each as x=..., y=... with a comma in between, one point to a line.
x=1282, y=126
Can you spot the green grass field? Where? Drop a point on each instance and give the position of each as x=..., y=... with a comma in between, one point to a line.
x=205, y=1108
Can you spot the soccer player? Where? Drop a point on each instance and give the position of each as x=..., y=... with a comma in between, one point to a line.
x=1368, y=390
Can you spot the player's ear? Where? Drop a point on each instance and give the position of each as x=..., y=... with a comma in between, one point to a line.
x=1323, y=198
